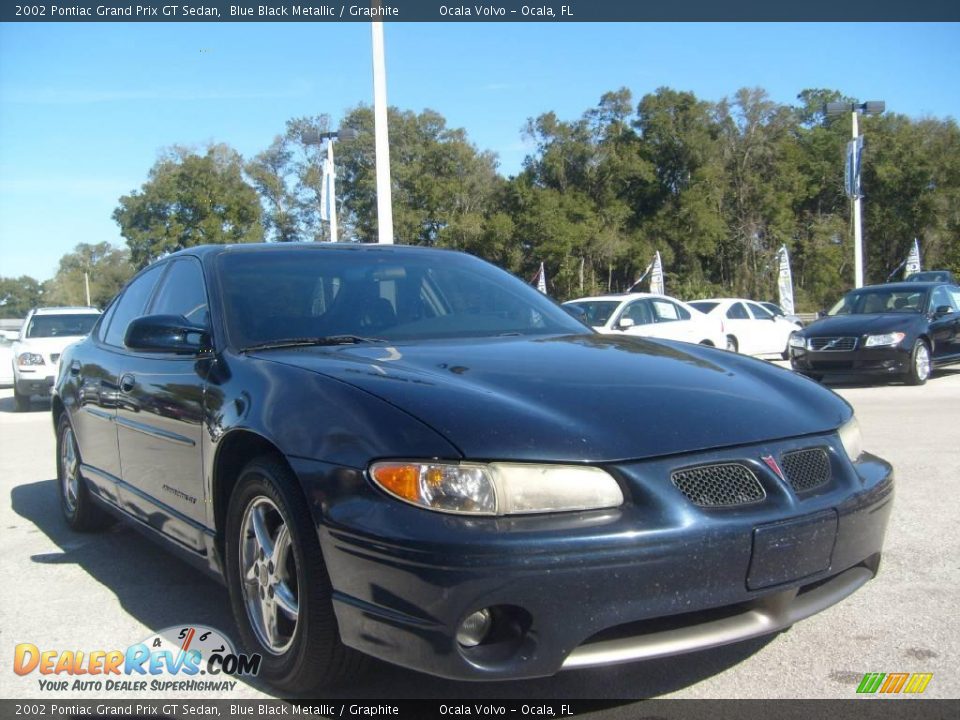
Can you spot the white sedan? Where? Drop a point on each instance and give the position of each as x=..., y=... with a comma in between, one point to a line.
x=749, y=327
x=648, y=315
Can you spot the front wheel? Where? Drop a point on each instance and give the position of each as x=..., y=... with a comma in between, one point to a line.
x=919, y=364
x=279, y=588
x=76, y=504
x=732, y=345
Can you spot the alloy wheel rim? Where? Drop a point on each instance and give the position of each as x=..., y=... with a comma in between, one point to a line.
x=268, y=574
x=69, y=469
x=923, y=362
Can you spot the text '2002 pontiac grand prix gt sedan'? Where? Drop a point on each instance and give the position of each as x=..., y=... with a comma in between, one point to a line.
x=408, y=453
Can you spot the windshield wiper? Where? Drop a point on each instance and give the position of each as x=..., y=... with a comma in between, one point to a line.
x=312, y=342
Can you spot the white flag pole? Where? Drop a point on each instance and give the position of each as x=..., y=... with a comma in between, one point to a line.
x=384, y=200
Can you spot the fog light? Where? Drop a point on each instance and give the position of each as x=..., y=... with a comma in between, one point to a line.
x=475, y=628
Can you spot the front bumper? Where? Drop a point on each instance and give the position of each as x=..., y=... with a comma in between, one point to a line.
x=34, y=385
x=881, y=361
x=655, y=577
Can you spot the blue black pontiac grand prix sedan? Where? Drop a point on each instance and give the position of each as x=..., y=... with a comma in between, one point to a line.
x=408, y=453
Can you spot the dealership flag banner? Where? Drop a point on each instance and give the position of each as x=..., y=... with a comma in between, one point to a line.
x=540, y=280
x=327, y=208
x=656, y=276
x=851, y=168
x=785, y=281
x=913, y=259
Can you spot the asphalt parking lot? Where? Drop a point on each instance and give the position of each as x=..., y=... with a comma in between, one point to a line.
x=63, y=590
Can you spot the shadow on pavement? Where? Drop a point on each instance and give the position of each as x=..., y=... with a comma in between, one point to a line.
x=8, y=405
x=159, y=591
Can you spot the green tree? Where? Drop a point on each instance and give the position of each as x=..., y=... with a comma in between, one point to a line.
x=107, y=267
x=18, y=295
x=189, y=200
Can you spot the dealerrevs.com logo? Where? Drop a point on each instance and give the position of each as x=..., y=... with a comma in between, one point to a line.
x=176, y=659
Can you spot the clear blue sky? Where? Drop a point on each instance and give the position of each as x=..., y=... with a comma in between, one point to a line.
x=86, y=107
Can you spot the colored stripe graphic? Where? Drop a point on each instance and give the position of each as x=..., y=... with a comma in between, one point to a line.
x=870, y=682
x=918, y=682
x=893, y=683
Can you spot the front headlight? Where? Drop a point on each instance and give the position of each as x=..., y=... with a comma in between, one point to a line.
x=798, y=341
x=497, y=488
x=884, y=340
x=851, y=439
x=29, y=359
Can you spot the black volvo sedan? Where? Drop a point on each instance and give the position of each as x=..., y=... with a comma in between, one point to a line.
x=897, y=331
x=411, y=454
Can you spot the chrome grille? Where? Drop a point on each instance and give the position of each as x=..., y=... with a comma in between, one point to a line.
x=719, y=485
x=807, y=469
x=833, y=344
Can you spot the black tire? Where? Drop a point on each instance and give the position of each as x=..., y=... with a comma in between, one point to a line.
x=732, y=344
x=920, y=364
x=78, y=507
x=813, y=376
x=314, y=655
x=20, y=402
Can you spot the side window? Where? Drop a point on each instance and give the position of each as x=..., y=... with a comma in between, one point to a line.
x=955, y=295
x=105, y=321
x=666, y=311
x=131, y=305
x=183, y=293
x=737, y=312
x=639, y=312
x=759, y=312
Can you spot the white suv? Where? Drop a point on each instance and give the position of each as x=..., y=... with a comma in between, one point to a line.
x=43, y=337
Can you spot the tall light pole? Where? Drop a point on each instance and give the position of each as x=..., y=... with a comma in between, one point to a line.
x=384, y=199
x=871, y=107
x=328, y=192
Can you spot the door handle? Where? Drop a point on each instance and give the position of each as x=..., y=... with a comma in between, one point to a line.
x=75, y=367
x=127, y=382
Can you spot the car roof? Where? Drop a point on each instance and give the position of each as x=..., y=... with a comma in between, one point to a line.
x=66, y=310
x=905, y=286
x=622, y=297
x=209, y=251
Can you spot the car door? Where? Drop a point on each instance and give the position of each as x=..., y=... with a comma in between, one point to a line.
x=95, y=368
x=738, y=322
x=160, y=418
x=672, y=321
x=945, y=327
x=640, y=317
x=767, y=331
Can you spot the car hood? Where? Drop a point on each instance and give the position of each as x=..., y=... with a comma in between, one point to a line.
x=582, y=398
x=853, y=325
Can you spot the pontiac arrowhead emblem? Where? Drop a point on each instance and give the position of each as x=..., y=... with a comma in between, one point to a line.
x=772, y=464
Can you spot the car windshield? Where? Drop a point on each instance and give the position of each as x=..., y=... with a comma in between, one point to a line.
x=68, y=325
x=703, y=306
x=880, y=300
x=597, y=312
x=320, y=294
x=930, y=276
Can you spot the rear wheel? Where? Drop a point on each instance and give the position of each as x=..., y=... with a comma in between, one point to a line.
x=732, y=344
x=279, y=588
x=919, y=364
x=76, y=504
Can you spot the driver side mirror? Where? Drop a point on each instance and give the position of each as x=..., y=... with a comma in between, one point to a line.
x=624, y=323
x=166, y=333
x=942, y=310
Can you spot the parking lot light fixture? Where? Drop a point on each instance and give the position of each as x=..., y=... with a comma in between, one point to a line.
x=313, y=137
x=871, y=107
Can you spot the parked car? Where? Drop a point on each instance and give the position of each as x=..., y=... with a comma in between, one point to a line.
x=44, y=335
x=649, y=315
x=944, y=276
x=778, y=311
x=411, y=454
x=897, y=330
x=749, y=327
x=6, y=358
